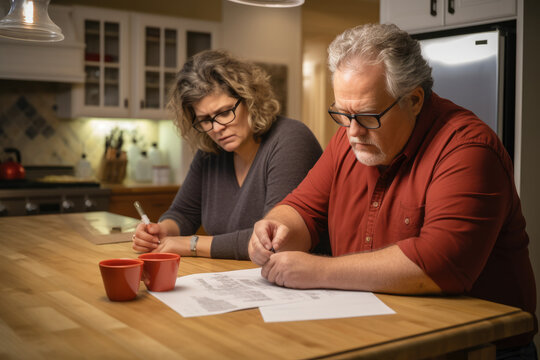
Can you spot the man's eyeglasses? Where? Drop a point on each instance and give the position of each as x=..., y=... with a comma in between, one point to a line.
x=368, y=121
x=225, y=117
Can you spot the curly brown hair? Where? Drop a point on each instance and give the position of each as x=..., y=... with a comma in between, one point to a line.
x=214, y=71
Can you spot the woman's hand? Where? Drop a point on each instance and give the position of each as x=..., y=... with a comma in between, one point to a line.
x=175, y=244
x=148, y=237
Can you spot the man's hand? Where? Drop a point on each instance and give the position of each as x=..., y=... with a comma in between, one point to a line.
x=268, y=237
x=295, y=269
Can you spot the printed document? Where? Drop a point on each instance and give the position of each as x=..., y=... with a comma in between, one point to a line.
x=217, y=293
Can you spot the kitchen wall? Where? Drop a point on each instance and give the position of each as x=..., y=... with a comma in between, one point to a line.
x=267, y=35
x=29, y=122
x=322, y=21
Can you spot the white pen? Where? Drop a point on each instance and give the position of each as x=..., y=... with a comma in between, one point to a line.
x=144, y=217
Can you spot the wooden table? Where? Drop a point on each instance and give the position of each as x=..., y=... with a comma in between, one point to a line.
x=53, y=306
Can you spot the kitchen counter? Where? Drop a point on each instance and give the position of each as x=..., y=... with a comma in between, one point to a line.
x=53, y=305
x=132, y=186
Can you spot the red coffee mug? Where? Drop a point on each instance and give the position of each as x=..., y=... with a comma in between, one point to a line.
x=121, y=278
x=160, y=270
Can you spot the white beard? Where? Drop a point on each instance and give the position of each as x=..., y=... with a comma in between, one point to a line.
x=367, y=158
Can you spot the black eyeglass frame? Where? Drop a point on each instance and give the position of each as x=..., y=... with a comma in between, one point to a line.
x=354, y=116
x=213, y=119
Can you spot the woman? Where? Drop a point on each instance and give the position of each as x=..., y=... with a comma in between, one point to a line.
x=248, y=158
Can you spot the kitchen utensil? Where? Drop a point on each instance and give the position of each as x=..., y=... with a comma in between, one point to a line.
x=10, y=169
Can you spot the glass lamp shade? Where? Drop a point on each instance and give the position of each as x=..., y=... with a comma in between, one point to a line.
x=29, y=20
x=270, y=3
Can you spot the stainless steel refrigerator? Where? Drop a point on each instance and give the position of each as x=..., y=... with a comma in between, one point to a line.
x=475, y=68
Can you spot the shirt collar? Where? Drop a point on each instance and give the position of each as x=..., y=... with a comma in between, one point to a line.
x=424, y=122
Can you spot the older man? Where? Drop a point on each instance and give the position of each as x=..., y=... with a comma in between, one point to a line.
x=416, y=193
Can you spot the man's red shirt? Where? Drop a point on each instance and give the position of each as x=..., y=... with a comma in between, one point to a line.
x=448, y=200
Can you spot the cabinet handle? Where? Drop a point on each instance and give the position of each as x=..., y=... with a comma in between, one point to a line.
x=126, y=103
x=433, y=7
x=451, y=9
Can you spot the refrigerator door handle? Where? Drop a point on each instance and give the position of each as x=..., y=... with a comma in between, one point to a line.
x=433, y=7
x=451, y=8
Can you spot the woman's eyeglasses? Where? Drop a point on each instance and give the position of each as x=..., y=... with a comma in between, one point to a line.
x=225, y=117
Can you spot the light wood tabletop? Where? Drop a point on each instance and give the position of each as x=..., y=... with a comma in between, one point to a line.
x=53, y=306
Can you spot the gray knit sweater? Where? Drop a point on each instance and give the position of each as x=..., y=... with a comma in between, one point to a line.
x=210, y=193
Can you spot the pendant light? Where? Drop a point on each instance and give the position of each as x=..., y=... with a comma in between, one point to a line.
x=271, y=3
x=29, y=20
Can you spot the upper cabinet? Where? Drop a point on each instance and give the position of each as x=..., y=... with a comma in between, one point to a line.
x=160, y=45
x=105, y=91
x=131, y=60
x=428, y=15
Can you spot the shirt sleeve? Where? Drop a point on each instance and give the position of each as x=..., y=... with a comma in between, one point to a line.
x=311, y=198
x=467, y=202
x=292, y=152
x=186, y=207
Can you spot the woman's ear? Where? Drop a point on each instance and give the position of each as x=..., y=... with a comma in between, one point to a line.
x=417, y=100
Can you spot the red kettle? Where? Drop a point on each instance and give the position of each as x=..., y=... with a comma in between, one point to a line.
x=12, y=170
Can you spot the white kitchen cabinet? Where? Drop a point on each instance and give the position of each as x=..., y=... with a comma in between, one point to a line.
x=130, y=59
x=428, y=15
x=105, y=91
x=160, y=46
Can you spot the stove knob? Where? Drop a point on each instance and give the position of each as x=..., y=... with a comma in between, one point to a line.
x=67, y=205
x=89, y=204
x=31, y=208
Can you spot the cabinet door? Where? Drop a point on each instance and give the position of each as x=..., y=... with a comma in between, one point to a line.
x=105, y=90
x=155, y=202
x=161, y=45
x=413, y=14
x=471, y=11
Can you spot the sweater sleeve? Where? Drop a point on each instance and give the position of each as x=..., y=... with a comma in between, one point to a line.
x=290, y=152
x=186, y=207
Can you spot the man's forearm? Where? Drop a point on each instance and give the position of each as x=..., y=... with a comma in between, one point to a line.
x=299, y=237
x=385, y=270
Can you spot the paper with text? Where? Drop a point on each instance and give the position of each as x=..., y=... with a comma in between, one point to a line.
x=217, y=293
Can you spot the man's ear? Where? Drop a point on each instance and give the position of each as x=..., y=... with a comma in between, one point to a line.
x=417, y=100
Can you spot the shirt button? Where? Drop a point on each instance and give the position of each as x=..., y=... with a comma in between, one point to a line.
x=368, y=239
x=375, y=204
x=407, y=221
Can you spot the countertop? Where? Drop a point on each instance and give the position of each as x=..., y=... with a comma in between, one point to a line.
x=53, y=305
x=129, y=186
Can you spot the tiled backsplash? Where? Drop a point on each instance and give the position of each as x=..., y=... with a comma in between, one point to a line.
x=28, y=122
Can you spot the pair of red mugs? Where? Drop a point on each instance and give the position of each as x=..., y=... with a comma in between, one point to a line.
x=121, y=277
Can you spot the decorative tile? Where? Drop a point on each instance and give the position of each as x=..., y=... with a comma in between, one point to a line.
x=28, y=121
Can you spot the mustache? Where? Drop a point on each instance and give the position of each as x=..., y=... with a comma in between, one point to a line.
x=361, y=140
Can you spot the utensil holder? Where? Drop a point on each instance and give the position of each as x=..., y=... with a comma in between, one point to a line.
x=112, y=170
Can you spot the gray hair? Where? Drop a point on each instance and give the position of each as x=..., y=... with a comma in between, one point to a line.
x=400, y=54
